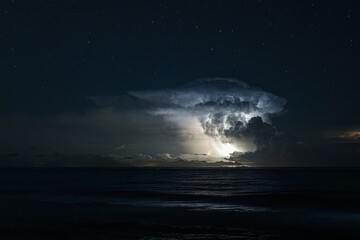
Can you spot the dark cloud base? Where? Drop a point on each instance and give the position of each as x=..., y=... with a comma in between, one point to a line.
x=283, y=152
x=97, y=161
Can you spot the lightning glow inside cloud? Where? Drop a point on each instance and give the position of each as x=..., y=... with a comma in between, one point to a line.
x=227, y=114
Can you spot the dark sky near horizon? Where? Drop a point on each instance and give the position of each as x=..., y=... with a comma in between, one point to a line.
x=55, y=54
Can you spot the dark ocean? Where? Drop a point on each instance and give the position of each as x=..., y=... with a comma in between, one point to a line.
x=207, y=203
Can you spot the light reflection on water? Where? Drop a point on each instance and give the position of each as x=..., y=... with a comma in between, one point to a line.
x=173, y=203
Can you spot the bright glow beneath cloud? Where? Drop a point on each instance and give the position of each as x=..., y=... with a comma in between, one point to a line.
x=221, y=149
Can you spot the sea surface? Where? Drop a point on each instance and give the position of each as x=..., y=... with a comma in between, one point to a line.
x=204, y=203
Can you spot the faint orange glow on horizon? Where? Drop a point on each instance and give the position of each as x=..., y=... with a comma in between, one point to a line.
x=349, y=135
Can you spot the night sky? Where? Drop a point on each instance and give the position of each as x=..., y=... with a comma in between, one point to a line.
x=58, y=56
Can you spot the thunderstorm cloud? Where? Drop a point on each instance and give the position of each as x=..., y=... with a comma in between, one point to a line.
x=232, y=115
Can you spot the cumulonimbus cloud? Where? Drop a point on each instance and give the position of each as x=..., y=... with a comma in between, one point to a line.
x=233, y=115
